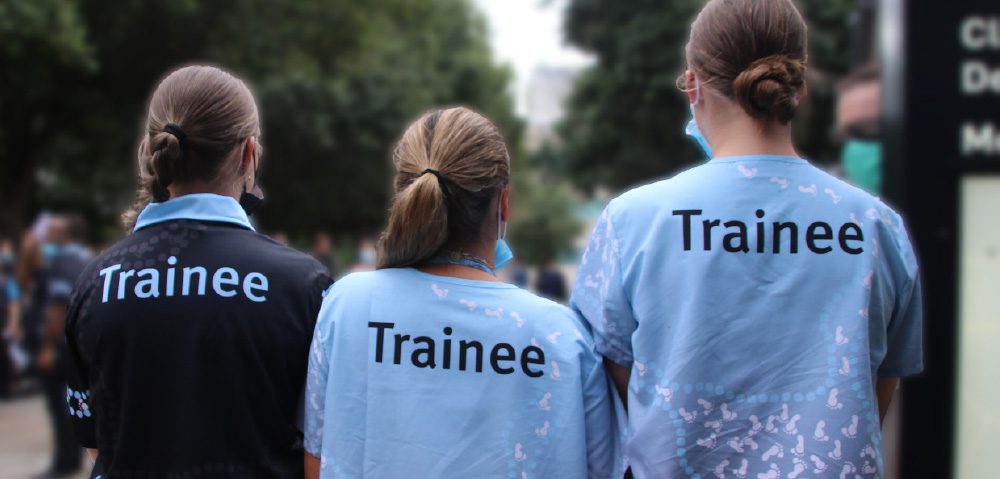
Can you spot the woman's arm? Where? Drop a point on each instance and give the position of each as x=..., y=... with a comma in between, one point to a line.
x=884, y=389
x=312, y=466
x=620, y=375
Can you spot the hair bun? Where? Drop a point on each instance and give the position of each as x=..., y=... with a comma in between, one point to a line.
x=769, y=88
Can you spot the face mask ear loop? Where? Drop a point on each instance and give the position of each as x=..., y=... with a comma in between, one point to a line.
x=697, y=91
x=256, y=165
x=501, y=228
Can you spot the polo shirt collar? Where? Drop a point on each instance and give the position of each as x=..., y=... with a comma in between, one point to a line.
x=199, y=207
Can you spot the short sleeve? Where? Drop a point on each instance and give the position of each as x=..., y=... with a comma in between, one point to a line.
x=598, y=295
x=79, y=398
x=604, y=416
x=904, y=336
x=316, y=381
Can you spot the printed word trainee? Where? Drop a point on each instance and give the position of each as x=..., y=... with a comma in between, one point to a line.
x=502, y=356
x=735, y=239
x=147, y=284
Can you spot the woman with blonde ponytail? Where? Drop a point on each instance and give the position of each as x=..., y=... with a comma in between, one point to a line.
x=188, y=339
x=429, y=366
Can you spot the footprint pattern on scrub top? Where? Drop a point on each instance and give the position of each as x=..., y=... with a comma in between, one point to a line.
x=788, y=435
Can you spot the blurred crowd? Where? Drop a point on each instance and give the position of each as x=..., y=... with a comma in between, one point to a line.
x=38, y=274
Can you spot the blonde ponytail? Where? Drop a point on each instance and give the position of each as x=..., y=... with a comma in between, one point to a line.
x=449, y=166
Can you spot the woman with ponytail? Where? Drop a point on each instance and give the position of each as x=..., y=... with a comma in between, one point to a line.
x=188, y=339
x=431, y=367
x=754, y=311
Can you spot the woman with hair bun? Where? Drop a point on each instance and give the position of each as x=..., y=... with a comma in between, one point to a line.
x=188, y=339
x=431, y=367
x=755, y=312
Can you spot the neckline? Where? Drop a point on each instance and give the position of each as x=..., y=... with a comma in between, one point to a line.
x=196, y=206
x=461, y=281
x=459, y=258
x=778, y=158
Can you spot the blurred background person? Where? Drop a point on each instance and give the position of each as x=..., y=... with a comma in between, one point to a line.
x=365, y=256
x=36, y=250
x=11, y=358
x=517, y=274
x=64, y=264
x=322, y=250
x=551, y=283
x=859, y=126
x=280, y=237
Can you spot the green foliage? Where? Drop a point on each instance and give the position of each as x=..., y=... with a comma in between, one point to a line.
x=543, y=225
x=336, y=80
x=626, y=117
x=334, y=123
x=42, y=50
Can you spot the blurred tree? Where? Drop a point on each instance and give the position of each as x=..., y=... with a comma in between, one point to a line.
x=336, y=80
x=625, y=122
x=334, y=123
x=543, y=224
x=42, y=49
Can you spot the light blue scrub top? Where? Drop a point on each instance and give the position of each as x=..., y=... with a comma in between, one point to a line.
x=540, y=407
x=755, y=363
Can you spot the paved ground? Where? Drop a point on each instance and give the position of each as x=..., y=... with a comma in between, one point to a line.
x=25, y=438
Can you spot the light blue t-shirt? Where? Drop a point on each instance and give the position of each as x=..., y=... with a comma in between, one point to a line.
x=418, y=375
x=756, y=300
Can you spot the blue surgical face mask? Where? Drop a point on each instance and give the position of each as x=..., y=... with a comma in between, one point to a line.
x=502, y=254
x=694, y=132
x=49, y=250
x=366, y=256
x=692, y=129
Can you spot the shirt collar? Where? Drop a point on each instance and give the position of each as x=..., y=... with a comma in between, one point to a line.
x=738, y=158
x=199, y=206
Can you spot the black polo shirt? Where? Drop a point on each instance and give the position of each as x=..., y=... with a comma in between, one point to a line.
x=189, y=340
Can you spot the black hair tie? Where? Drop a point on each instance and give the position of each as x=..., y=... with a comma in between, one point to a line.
x=441, y=181
x=175, y=129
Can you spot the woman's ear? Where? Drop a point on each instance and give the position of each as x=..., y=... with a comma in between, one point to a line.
x=691, y=87
x=246, y=163
x=505, y=204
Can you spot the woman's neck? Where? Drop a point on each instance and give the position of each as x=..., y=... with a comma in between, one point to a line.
x=741, y=135
x=480, y=250
x=194, y=187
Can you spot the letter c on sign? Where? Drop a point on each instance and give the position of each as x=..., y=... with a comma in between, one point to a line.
x=974, y=33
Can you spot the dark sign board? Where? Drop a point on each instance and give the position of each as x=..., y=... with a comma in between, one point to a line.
x=941, y=67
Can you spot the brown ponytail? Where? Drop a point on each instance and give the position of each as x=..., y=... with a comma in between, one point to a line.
x=450, y=164
x=197, y=116
x=754, y=52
